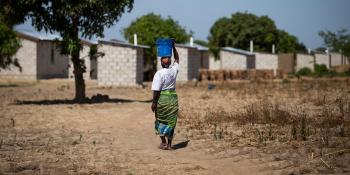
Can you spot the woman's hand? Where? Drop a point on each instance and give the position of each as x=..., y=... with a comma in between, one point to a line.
x=154, y=107
x=174, y=42
x=156, y=95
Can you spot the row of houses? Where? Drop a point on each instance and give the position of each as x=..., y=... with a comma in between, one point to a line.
x=40, y=58
x=123, y=63
x=236, y=59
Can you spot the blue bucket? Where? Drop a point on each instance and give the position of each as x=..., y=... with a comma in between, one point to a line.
x=164, y=47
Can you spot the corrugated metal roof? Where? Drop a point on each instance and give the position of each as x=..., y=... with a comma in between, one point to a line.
x=92, y=42
x=47, y=36
x=239, y=51
x=185, y=45
x=118, y=42
x=39, y=35
x=200, y=47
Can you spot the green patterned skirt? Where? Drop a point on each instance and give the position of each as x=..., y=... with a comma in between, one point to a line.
x=166, y=113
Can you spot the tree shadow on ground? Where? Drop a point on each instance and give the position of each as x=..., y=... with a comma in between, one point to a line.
x=180, y=145
x=72, y=101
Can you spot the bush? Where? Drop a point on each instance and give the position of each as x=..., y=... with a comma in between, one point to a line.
x=304, y=72
x=321, y=70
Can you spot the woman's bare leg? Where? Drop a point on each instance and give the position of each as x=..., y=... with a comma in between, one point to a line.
x=169, y=144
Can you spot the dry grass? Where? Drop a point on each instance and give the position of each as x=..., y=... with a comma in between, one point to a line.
x=312, y=117
x=288, y=127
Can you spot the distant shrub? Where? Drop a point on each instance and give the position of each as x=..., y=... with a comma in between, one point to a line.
x=321, y=70
x=305, y=71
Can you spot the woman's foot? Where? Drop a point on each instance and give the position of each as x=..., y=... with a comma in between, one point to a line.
x=169, y=147
x=163, y=146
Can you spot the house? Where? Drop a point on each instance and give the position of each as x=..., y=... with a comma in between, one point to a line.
x=39, y=58
x=304, y=61
x=203, y=56
x=214, y=64
x=336, y=59
x=90, y=62
x=122, y=64
x=346, y=60
x=322, y=58
x=286, y=62
x=189, y=62
x=266, y=61
x=237, y=59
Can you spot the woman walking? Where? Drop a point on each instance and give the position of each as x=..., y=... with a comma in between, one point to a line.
x=165, y=102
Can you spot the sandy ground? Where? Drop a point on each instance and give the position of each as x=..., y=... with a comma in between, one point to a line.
x=41, y=132
x=108, y=138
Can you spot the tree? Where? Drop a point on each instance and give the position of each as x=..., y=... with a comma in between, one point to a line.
x=337, y=41
x=201, y=42
x=288, y=43
x=150, y=27
x=9, y=43
x=72, y=20
x=238, y=30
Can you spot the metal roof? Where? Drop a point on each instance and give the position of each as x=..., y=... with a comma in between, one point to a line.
x=122, y=43
x=91, y=42
x=239, y=51
x=47, y=36
x=200, y=47
x=38, y=35
x=185, y=45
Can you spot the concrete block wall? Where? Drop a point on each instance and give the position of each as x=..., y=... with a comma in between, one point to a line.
x=304, y=60
x=189, y=63
x=120, y=66
x=346, y=60
x=336, y=59
x=322, y=59
x=139, y=65
x=27, y=57
x=214, y=64
x=266, y=61
x=204, y=57
x=94, y=68
x=231, y=60
x=50, y=62
x=91, y=65
x=194, y=61
x=183, y=54
x=286, y=62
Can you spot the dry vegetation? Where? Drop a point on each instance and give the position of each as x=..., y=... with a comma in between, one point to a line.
x=304, y=127
x=289, y=127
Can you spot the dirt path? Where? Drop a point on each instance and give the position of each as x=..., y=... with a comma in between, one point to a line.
x=106, y=138
x=100, y=138
x=131, y=130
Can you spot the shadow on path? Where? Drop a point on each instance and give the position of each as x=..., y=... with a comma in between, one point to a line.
x=181, y=145
x=69, y=101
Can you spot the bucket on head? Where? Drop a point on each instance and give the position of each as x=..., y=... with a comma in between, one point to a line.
x=164, y=47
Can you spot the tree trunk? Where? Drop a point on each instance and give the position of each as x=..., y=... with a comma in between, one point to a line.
x=78, y=67
x=79, y=80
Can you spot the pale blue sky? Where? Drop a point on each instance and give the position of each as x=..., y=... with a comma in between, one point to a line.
x=302, y=18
